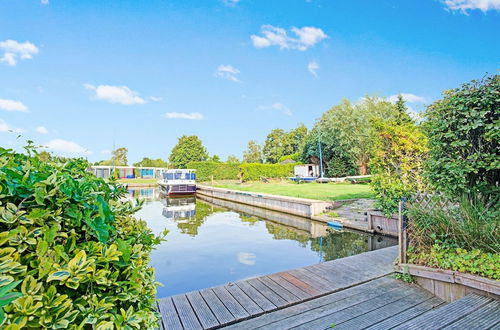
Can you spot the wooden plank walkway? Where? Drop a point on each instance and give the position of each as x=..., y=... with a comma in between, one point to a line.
x=234, y=302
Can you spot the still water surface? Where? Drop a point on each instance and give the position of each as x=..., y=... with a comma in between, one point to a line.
x=212, y=242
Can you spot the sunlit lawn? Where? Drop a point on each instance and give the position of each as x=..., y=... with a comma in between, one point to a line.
x=325, y=191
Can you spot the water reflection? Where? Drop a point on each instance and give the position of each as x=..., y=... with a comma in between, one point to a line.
x=212, y=242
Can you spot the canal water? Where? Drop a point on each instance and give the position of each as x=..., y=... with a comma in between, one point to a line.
x=213, y=242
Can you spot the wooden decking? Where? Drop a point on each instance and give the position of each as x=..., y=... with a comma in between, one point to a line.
x=349, y=293
x=234, y=302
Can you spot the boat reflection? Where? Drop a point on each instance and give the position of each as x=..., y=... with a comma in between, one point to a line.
x=179, y=208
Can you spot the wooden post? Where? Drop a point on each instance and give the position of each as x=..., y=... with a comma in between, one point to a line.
x=402, y=234
x=212, y=180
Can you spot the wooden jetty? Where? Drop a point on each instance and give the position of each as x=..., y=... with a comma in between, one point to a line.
x=349, y=293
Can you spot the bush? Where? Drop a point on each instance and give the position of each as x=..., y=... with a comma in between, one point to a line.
x=71, y=248
x=397, y=164
x=464, y=134
x=219, y=171
x=466, y=261
x=253, y=172
x=295, y=157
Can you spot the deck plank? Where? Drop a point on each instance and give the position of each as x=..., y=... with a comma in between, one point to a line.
x=279, y=290
x=218, y=308
x=169, y=314
x=203, y=312
x=408, y=314
x=296, y=291
x=186, y=312
x=486, y=317
x=231, y=304
x=256, y=296
x=244, y=300
x=300, y=284
x=277, y=300
x=446, y=315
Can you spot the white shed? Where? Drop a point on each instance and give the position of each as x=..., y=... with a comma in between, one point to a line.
x=306, y=170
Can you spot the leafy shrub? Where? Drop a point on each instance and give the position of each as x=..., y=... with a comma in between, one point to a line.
x=295, y=157
x=253, y=172
x=82, y=257
x=464, y=134
x=397, y=164
x=472, y=223
x=466, y=261
x=219, y=171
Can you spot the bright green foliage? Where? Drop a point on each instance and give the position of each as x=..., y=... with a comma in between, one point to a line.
x=464, y=136
x=402, y=111
x=280, y=143
x=466, y=261
x=254, y=172
x=397, y=164
x=188, y=149
x=232, y=159
x=148, y=162
x=347, y=135
x=119, y=158
x=81, y=257
x=295, y=157
x=253, y=154
x=219, y=171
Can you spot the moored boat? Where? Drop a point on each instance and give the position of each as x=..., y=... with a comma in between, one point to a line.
x=178, y=182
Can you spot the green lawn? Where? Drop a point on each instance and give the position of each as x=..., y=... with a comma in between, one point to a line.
x=321, y=191
x=138, y=181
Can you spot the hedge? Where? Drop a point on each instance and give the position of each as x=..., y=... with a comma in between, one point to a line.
x=254, y=172
x=219, y=171
x=72, y=255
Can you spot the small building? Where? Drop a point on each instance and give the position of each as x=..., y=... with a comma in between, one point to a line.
x=307, y=171
x=128, y=172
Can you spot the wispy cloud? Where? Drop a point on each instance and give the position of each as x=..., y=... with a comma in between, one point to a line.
x=276, y=107
x=312, y=67
x=184, y=115
x=305, y=37
x=11, y=105
x=4, y=127
x=67, y=147
x=231, y=3
x=465, y=5
x=115, y=94
x=13, y=51
x=408, y=97
x=227, y=72
x=44, y=2
x=106, y=152
x=42, y=130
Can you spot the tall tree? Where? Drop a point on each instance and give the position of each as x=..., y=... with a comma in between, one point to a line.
x=403, y=116
x=253, y=154
x=120, y=157
x=148, y=162
x=188, y=149
x=45, y=156
x=232, y=159
x=274, y=146
x=295, y=140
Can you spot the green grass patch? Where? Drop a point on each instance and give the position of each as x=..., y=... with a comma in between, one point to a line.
x=321, y=191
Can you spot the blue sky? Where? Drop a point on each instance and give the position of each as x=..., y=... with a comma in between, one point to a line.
x=77, y=75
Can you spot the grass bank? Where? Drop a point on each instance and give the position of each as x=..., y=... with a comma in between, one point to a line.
x=325, y=191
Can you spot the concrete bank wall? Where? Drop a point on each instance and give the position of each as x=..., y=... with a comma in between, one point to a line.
x=296, y=206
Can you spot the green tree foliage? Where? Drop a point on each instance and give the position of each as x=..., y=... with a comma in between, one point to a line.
x=215, y=159
x=232, y=159
x=397, y=163
x=253, y=154
x=118, y=158
x=73, y=255
x=464, y=135
x=188, y=149
x=148, y=162
x=347, y=133
x=44, y=156
x=280, y=143
x=402, y=111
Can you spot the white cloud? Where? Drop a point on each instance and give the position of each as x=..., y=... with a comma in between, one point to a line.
x=68, y=147
x=116, y=94
x=305, y=37
x=227, y=72
x=13, y=51
x=276, y=107
x=312, y=67
x=466, y=5
x=183, y=115
x=155, y=98
x=11, y=105
x=42, y=130
x=4, y=127
x=44, y=2
x=408, y=97
x=247, y=258
x=231, y=3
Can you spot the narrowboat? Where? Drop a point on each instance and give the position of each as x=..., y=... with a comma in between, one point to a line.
x=178, y=182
